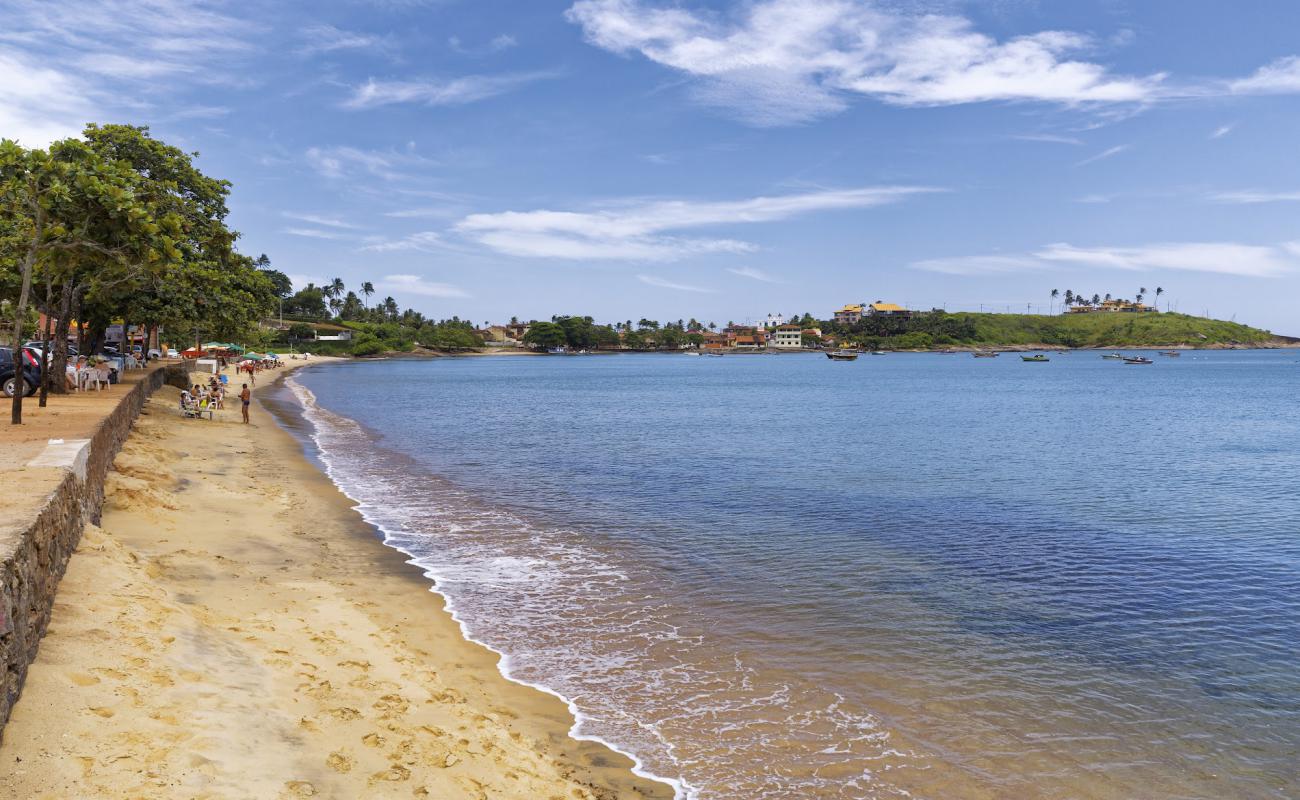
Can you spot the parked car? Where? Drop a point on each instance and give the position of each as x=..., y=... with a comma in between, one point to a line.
x=35, y=347
x=171, y=353
x=31, y=371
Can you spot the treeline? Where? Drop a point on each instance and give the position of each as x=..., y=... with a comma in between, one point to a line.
x=119, y=225
x=915, y=332
x=383, y=327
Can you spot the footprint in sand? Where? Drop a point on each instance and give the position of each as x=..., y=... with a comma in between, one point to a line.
x=340, y=762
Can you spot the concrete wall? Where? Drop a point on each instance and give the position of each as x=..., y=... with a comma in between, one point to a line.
x=32, y=559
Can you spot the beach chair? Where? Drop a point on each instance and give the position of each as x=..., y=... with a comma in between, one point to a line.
x=193, y=410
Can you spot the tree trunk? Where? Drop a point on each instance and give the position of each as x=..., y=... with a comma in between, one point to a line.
x=48, y=366
x=60, y=364
x=20, y=311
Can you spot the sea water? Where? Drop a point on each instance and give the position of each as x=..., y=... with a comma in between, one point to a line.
x=913, y=575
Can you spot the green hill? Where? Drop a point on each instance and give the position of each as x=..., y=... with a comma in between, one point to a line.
x=1101, y=329
x=1111, y=330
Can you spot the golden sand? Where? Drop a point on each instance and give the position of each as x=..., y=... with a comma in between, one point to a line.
x=233, y=630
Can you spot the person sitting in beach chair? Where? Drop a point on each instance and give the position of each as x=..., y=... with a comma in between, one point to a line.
x=193, y=408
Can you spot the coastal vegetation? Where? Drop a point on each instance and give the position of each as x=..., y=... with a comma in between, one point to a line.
x=940, y=329
x=118, y=225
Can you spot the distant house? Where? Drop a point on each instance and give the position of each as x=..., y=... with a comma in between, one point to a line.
x=1114, y=307
x=882, y=309
x=713, y=341
x=849, y=314
x=750, y=341
x=788, y=337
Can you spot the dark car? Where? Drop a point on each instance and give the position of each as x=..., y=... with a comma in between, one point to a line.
x=31, y=371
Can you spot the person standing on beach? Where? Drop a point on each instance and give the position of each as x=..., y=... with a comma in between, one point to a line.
x=247, y=397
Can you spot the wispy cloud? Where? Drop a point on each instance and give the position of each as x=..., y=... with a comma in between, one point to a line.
x=340, y=162
x=450, y=92
x=328, y=39
x=646, y=231
x=979, y=265
x=1222, y=131
x=416, y=285
x=1251, y=197
x=651, y=280
x=424, y=241
x=1109, y=152
x=316, y=219
x=787, y=61
x=1051, y=138
x=312, y=233
x=753, y=274
x=1224, y=258
x=1095, y=199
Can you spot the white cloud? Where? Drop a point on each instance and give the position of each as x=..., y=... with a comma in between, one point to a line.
x=641, y=231
x=1223, y=130
x=456, y=91
x=312, y=233
x=786, y=61
x=753, y=274
x=498, y=43
x=63, y=64
x=300, y=280
x=1225, y=258
x=1104, y=154
x=651, y=280
x=423, y=241
x=1096, y=199
x=1251, y=197
x=414, y=284
x=316, y=219
x=1280, y=77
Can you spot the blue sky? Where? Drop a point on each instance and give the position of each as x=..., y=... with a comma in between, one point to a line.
x=723, y=160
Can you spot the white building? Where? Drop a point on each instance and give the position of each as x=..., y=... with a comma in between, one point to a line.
x=788, y=337
x=773, y=321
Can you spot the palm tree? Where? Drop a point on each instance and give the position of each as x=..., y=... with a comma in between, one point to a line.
x=1096, y=299
x=367, y=289
x=390, y=306
x=1069, y=297
x=335, y=305
x=1141, y=292
x=337, y=286
x=1055, y=294
x=1159, y=291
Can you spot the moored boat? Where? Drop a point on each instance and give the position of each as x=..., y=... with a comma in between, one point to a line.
x=1170, y=353
x=984, y=354
x=1037, y=357
x=1116, y=356
x=842, y=355
x=879, y=353
x=1138, y=360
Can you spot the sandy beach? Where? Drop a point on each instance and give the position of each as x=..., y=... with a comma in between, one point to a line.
x=233, y=629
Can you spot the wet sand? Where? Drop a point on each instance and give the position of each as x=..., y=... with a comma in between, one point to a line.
x=234, y=629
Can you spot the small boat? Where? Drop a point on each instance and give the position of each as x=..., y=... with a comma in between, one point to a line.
x=1035, y=358
x=556, y=350
x=713, y=355
x=1138, y=360
x=879, y=353
x=1170, y=353
x=1116, y=356
x=842, y=355
x=984, y=354
x=691, y=353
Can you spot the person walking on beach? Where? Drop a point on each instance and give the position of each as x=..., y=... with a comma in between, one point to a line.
x=247, y=397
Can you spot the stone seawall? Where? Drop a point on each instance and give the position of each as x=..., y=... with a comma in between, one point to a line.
x=33, y=558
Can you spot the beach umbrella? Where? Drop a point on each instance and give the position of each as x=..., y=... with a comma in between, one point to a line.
x=215, y=346
x=252, y=357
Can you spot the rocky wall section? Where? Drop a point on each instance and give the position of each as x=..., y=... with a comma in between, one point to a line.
x=33, y=558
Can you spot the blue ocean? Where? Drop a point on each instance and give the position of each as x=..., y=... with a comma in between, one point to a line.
x=912, y=575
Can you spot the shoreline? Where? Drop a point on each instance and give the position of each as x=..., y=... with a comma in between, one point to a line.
x=248, y=634
x=432, y=582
